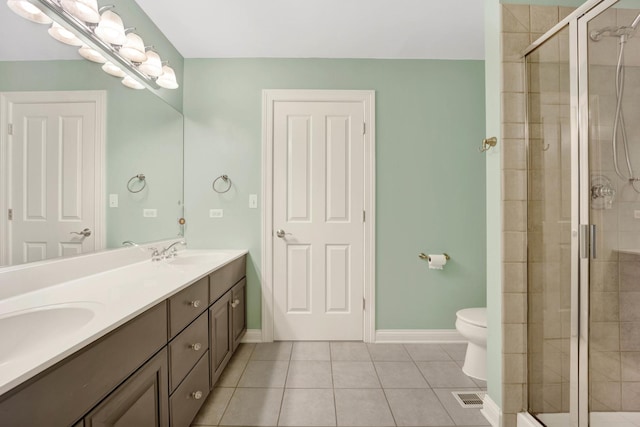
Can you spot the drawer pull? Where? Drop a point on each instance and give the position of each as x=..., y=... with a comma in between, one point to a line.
x=196, y=347
x=235, y=303
x=197, y=395
x=195, y=304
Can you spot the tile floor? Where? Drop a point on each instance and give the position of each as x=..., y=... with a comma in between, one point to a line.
x=342, y=384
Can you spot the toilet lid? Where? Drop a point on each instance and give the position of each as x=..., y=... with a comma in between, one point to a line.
x=475, y=316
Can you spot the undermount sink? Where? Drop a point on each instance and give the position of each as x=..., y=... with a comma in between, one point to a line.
x=21, y=331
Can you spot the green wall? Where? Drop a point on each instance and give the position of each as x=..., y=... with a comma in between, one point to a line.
x=144, y=135
x=430, y=119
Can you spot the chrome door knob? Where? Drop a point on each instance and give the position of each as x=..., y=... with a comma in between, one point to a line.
x=281, y=233
x=84, y=233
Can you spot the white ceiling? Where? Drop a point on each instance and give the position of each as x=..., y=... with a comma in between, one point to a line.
x=434, y=29
x=442, y=29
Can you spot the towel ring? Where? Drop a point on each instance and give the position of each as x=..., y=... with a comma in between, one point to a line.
x=139, y=177
x=226, y=179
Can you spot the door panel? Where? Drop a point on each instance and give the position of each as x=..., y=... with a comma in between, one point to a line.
x=318, y=188
x=52, y=158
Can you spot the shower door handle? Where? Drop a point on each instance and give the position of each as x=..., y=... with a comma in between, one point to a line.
x=592, y=240
x=583, y=241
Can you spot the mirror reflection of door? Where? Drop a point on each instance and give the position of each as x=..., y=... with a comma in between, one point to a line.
x=53, y=150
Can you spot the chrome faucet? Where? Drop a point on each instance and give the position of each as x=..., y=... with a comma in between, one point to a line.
x=170, y=254
x=129, y=243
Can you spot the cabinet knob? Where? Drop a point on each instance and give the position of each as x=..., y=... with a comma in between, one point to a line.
x=196, y=347
x=235, y=303
x=197, y=395
x=195, y=303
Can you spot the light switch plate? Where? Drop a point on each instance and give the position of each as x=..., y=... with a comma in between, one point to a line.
x=253, y=201
x=113, y=200
x=216, y=213
x=150, y=213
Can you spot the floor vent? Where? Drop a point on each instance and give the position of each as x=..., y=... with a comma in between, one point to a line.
x=469, y=399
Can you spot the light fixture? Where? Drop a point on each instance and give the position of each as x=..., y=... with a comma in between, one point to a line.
x=84, y=10
x=153, y=65
x=102, y=38
x=63, y=35
x=91, y=54
x=29, y=11
x=133, y=49
x=110, y=29
x=132, y=83
x=112, y=69
x=168, y=78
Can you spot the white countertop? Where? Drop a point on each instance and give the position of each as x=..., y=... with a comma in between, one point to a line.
x=109, y=299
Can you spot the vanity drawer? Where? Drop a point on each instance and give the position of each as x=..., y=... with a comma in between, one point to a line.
x=187, y=305
x=220, y=281
x=187, y=348
x=185, y=402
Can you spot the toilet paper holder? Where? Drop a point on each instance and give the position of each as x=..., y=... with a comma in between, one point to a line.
x=425, y=257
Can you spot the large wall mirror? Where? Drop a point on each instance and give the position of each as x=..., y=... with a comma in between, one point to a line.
x=44, y=206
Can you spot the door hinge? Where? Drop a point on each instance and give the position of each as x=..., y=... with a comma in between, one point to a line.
x=364, y=128
x=10, y=129
x=364, y=216
x=364, y=304
x=10, y=214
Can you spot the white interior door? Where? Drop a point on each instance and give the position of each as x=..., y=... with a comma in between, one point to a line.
x=52, y=199
x=318, y=224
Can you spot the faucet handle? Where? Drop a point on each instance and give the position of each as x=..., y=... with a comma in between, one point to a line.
x=155, y=254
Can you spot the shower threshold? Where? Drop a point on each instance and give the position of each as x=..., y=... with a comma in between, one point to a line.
x=597, y=419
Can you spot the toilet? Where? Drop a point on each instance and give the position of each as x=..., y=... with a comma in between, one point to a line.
x=471, y=323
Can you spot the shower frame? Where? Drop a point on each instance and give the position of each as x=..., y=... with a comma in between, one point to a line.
x=582, y=231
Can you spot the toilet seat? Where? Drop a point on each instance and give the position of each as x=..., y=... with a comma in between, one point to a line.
x=474, y=316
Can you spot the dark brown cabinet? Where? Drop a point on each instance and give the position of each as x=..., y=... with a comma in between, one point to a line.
x=220, y=335
x=141, y=401
x=239, y=311
x=154, y=371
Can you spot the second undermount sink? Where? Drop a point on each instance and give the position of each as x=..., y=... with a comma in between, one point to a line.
x=22, y=331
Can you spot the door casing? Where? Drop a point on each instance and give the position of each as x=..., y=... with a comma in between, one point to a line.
x=98, y=97
x=367, y=98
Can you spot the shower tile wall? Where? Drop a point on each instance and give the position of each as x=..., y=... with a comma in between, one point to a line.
x=615, y=279
x=521, y=25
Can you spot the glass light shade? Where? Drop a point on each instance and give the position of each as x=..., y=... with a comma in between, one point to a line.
x=132, y=83
x=133, y=49
x=152, y=66
x=63, y=35
x=110, y=28
x=29, y=11
x=84, y=10
x=91, y=54
x=112, y=69
x=168, y=78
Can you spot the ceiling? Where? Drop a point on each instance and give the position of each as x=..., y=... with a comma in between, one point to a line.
x=432, y=29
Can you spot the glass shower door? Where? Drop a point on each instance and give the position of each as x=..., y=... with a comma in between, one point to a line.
x=549, y=232
x=610, y=60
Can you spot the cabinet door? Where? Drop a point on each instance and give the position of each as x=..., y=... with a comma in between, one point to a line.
x=239, y=311
x=220, y=342
x=141, y=401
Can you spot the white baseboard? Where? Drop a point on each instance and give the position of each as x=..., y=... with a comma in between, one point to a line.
x=390, y=336
x=252, y=336
x=418, y=336
x=491, y=411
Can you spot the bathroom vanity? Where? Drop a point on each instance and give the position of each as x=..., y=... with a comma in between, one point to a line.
x=157, y=367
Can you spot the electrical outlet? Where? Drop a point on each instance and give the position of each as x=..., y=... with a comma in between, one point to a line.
x=150, y=213
x=216, y=213
x=253, y=201
x=113, y=200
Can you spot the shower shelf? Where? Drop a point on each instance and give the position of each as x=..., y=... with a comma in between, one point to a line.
x=629, y=251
